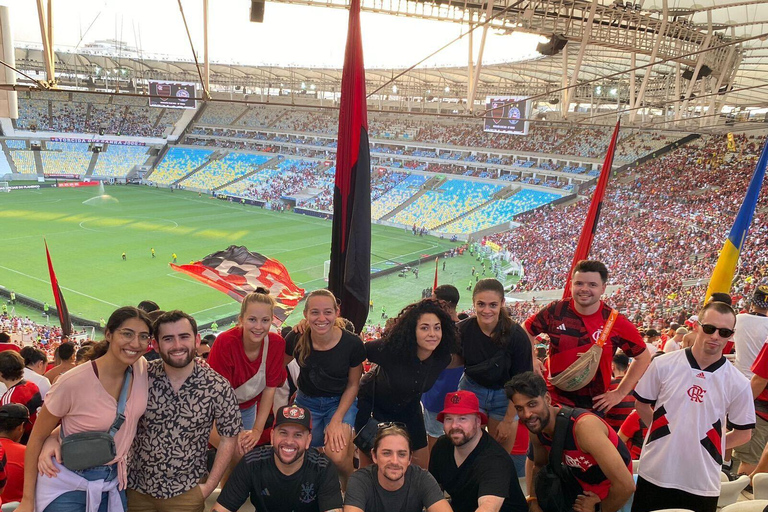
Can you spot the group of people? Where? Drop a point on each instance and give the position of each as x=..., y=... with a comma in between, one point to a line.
x=298, y=424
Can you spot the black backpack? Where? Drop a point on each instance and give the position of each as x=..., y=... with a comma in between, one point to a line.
x=556, y=487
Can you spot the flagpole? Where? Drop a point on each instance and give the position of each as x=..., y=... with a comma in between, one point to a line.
x=434, y=286
x=593, y=215
x=728, y=259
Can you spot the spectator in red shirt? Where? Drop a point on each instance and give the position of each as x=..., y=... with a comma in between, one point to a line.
x=13, y=419
x=5, y=343
x=632, y=432
x=616, y=416
x=20, y=391
x=251, y=359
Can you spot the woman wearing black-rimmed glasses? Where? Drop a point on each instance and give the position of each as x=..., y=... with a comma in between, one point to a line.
x=410, y=357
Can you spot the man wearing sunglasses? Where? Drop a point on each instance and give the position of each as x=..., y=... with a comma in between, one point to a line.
x=685, y=397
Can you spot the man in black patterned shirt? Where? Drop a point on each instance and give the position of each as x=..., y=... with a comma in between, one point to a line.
x=185, y=397
x=287, y=476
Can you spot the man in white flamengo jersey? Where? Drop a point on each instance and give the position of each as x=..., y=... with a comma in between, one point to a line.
x=684, y=398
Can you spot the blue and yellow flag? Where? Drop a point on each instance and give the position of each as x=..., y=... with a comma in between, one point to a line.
x=725, y=268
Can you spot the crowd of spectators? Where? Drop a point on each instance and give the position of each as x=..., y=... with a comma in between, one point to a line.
x=661, y=227
x=73, y=112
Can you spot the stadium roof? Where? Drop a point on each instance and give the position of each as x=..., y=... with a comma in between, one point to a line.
x=725, y=43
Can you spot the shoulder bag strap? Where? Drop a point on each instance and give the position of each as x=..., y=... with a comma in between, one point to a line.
x=558, y=441
x=606, y=332
x=121, y=403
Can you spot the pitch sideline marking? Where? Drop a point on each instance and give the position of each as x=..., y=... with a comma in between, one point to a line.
x=62, y=287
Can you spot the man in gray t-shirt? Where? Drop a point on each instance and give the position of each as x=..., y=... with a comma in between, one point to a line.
x=392, y=484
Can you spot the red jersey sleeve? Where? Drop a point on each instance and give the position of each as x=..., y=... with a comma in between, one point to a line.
x=220, y=356
x=626, y=336
x=630, y=425
x=275, y=368
x=537, y=323
x=760, y=366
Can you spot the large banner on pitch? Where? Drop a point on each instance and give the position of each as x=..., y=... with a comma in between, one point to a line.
x=172, y=95
x=507, y=114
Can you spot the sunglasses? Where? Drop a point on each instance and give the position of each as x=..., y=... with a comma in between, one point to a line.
x=389, y=424
x=722, y=331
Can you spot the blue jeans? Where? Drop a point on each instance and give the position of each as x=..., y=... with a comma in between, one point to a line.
x=434, y=428
x=74, y=501
x=322, y=409
x=493, y=402
x=249, y=417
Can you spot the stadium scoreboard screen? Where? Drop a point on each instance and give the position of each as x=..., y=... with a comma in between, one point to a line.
x=507, y=114
x=172, y=95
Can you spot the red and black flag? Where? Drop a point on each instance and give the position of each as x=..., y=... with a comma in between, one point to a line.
x=593, y=215
x=238, y=272
x=349, y=276
x=61, y=306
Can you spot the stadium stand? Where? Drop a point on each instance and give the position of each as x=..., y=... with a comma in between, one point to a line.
x=117, y=160
x=452, y=199
x=66, y=158
x=501, y=211
x=177, y=163
x=222, y=114
x=24, y=161
x=223, y=170
x=397, y=195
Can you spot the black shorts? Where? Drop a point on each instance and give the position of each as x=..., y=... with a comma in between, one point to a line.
x=650, y=497
x=410, y=415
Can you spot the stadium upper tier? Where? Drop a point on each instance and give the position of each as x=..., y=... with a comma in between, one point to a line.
x=73, y=112
x=177, y=163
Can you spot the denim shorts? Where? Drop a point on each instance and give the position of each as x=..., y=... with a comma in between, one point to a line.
x=249, y=417
x=322, y=409
x=74, y=501
x=493, y=402
x=434, y=427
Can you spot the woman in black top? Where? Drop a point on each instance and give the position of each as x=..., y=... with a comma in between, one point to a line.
x=495, y=348
x=410, y=357
x=331, y=364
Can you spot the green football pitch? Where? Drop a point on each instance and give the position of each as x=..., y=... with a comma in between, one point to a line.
x=87, y=236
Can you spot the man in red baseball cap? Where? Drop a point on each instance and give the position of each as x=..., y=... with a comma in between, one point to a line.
x=469, y=464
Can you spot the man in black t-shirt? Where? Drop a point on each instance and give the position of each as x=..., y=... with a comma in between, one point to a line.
x=392, y=484
x=469, y=464
x=287, y=476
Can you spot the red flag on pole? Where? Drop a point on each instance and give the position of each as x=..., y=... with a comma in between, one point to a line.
x=61, y=306
x=349, y=276
x=434, y=286
x=593, y=215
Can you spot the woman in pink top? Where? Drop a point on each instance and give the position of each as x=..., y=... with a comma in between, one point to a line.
x=85, y=400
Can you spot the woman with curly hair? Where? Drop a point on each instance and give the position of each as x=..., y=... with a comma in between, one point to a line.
x=410, y=356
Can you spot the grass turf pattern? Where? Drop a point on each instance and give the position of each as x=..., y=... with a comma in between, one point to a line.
x=87, y=241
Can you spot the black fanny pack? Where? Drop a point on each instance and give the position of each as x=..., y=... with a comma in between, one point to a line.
x=89, y=449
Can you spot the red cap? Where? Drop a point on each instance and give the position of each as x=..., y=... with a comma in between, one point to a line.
x=461, y=403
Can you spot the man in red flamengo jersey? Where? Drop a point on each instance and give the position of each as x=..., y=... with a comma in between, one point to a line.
x=574, y=324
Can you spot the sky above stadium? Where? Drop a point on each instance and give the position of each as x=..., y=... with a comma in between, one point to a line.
x=290, y=34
